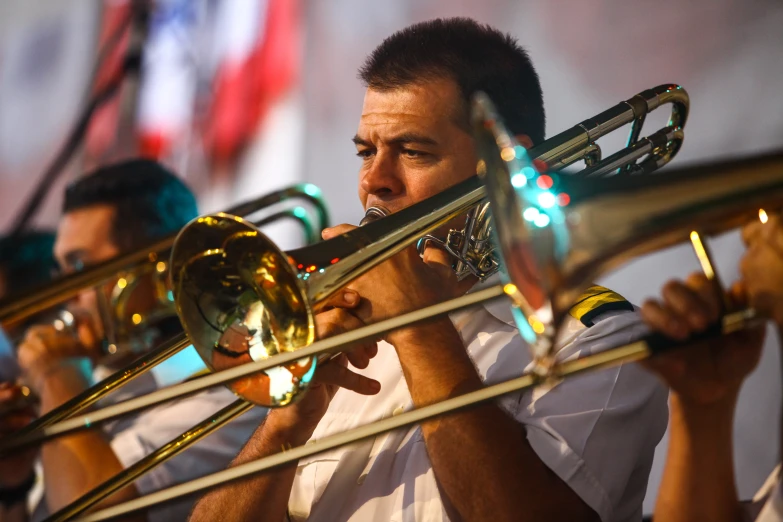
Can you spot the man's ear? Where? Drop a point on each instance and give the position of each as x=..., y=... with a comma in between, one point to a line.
x=524, y=140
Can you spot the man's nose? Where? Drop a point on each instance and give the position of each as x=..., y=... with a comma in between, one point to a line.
x=383, y=179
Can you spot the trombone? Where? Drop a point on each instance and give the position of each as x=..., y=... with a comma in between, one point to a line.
x=14, y=310
x=657, y=212
x=224, y=249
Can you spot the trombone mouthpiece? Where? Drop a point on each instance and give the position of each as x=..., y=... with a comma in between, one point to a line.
x=373, y=214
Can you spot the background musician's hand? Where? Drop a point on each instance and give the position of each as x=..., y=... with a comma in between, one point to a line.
x=302, y=417
x=401, y=284
x=710, y=372
x=46, y=348
x=15, y=469
x=762, y=267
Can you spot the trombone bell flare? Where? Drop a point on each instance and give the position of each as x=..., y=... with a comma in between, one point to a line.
x=239, y=300
x=242, y=300
x=606, y=222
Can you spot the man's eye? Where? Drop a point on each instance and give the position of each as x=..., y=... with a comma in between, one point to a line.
x=365, y=153
x=413, y=153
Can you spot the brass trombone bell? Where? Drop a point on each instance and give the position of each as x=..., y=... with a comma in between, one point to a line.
x=17, y=308
x=13, y=309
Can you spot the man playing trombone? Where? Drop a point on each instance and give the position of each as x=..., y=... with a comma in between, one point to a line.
x=705, y=380
x=579, y=451
x=115, y=210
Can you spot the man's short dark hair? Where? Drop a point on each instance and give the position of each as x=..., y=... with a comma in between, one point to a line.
x=150, y=201
x=474, y=56
x=27, y=260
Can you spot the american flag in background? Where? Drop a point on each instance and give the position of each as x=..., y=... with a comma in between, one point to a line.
x=257, y=57
x=102, y=134
x=212, y=71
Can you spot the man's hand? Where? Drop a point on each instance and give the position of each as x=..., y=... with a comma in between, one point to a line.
x=15, y=469
x=46, y=349
x=762, y=267
x=401, y=284
x=302, y=417
x=712, y=371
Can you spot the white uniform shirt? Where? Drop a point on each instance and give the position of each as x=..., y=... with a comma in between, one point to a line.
x=597, y=431
x=771, y=494
x=136, y=436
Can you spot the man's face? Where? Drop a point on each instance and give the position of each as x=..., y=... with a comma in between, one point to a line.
x=84, y=238
x=411, y=144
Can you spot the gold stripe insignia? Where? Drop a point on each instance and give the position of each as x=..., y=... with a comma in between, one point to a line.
x=595, y=301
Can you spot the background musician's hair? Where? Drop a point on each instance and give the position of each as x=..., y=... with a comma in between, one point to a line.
x=26, y=260
x=151, y=202
x=474, y=56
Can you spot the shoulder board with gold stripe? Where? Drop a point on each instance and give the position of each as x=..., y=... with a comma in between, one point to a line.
x=595, y=301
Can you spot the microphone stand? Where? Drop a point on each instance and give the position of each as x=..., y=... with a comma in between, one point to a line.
x=131, y=64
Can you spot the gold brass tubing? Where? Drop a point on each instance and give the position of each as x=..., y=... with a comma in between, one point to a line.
x=116, y=380
x=608, y=358
x=704, y=257
x=16, y=308
x=329, y=345
x=55, y=293
x=161, y=455
x=632, y=352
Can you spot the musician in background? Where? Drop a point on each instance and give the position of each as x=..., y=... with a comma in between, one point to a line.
x=115, y=210
x=705, y=379
x=578, y=451
x=26, y=261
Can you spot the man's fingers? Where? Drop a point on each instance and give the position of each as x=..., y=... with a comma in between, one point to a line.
x=337, y=230
x=361, y=355
x=60, y=343
x=358, y=358
x=8, y=392
x=440, y=261
x=338, y=375
x=738, y=294
x=335, y=321
x=687, y=304
x=40, y=331
x=709, y=293
x=16, y=420
x=663, y=320
x=750, y=232
x=345, y=298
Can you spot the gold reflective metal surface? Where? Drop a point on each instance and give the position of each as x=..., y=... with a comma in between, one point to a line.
x=241, y=300
x=157, y=457
x=123, y=268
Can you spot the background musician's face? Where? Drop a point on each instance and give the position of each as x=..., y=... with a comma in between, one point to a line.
x=413, y=144
x=84, y=238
